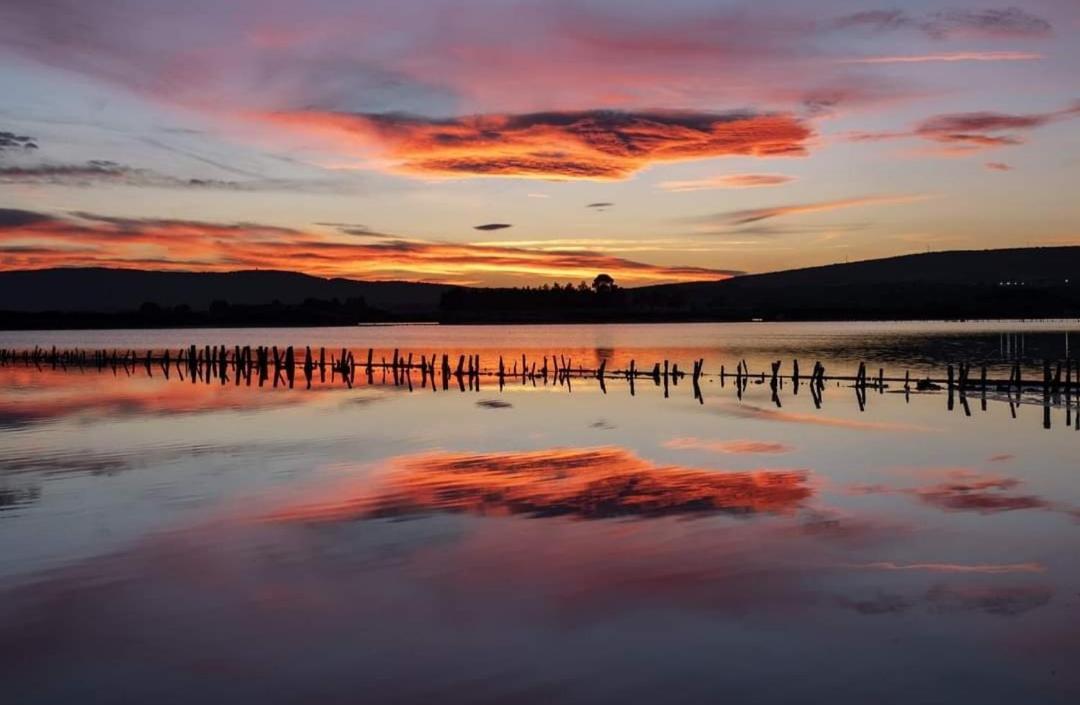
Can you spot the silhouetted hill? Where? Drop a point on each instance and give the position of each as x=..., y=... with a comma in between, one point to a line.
x=1027, y=282
x=114, y=290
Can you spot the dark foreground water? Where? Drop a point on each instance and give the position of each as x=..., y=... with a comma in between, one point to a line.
x=168, y=541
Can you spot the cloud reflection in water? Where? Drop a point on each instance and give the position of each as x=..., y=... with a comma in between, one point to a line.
x=595, y=483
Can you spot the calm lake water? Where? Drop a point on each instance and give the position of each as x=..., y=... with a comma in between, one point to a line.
x=164, y=540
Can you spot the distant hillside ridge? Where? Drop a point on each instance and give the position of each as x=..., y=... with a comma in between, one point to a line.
x=971, y=267
x=1033, y=282
x=1019, y=282
x=111, y=290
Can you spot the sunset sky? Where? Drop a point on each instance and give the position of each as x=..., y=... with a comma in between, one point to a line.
x=518, y=142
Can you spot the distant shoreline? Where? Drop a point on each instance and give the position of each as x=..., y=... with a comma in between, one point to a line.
x=468, y=323
x=1014, y=284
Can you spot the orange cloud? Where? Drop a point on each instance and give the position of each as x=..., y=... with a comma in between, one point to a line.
x=729, y=181
x=30, y=240
x=595, y=144
x=583, y=483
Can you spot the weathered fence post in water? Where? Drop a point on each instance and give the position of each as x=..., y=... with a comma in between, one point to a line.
x=774, y=383
x=290, y=366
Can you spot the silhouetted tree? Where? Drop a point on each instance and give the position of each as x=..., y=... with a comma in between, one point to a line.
x=603, y=283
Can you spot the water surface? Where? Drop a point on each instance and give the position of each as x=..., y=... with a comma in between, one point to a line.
x=170, y=541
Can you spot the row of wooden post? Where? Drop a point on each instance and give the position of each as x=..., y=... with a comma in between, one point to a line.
x=208, y=362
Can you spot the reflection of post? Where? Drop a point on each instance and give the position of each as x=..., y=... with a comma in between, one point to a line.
x=982, y=388
x=1046, y=394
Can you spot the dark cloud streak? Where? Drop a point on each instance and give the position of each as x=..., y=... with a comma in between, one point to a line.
x=1010, y=23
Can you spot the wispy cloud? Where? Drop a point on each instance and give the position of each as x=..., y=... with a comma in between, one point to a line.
x=963, y=133
x=595, y=145
x=735, y=447
x=10, y=141
x=86, y=239
x=946, y=57
x=982, y=568
x=753, y=215
x=1009, y=23
x=755, y=412
x=727, y=181
x=331, y=57
x=99, y=172
x=969, y=490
